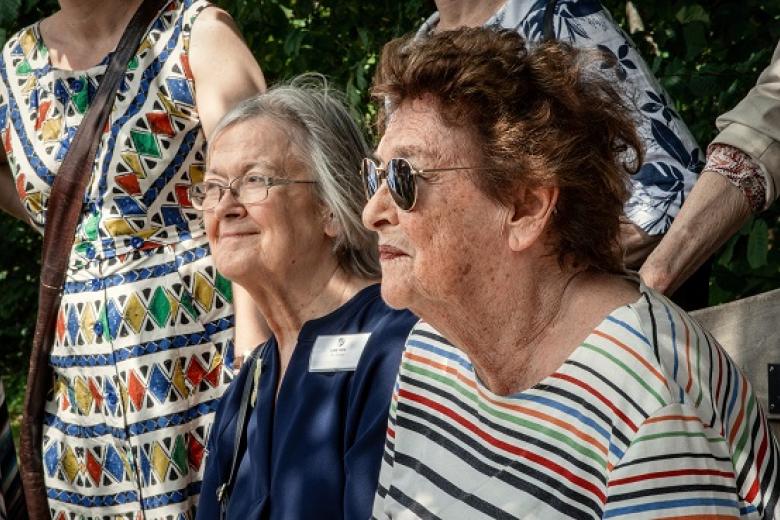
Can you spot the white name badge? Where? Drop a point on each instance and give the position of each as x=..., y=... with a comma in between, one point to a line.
x=337, y=353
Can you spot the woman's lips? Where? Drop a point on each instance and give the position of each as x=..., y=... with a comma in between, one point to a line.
x=390, y=253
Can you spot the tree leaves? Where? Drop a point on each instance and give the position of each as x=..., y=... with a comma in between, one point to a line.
x=9, y=11
x=758, y=241
x=692, y=13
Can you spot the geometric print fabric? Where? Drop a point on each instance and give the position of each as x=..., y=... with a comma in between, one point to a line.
x=130, y=413
x=143, y=341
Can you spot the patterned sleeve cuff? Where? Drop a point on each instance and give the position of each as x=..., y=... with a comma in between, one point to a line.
x=741, y=170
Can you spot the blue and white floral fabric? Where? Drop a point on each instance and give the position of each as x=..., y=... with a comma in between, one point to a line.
x=672, y=157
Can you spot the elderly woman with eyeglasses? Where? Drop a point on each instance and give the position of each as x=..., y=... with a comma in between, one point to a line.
x=300, y=432
x=543, y=381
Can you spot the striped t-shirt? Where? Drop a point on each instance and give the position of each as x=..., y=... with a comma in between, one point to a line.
x=648, y=417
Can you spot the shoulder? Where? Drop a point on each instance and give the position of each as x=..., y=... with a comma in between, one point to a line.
x=675, y=455
x=204, y=23
x=19, y=46
x=208, y=21
x=678, y=455
x=699, y=373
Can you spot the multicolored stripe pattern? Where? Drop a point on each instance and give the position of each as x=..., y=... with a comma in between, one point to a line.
x=648, y=418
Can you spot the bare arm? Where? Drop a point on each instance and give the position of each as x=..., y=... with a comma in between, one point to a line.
x=9, y=198
x=224, y=70
x=225, y=73
x=714, y=211
x=637, y=244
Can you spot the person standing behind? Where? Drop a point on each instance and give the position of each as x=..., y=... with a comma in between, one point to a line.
x=672, y=156
x=741, y=178
x=143, y=342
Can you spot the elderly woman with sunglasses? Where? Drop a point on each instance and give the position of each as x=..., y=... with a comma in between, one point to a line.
x=300, y=432
x=542, y=381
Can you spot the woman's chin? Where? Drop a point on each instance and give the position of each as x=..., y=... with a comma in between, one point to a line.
x=395, y=295
x=233, y=267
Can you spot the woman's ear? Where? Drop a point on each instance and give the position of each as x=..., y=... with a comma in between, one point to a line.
x=529, y=214
x=330, y=224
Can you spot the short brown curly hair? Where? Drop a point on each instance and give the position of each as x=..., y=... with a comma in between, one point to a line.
x=545, y=115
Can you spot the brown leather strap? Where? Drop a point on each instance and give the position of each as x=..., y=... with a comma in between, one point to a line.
x=62, y=215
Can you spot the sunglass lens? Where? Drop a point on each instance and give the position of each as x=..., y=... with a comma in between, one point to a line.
x=370, y=177
x=400, y=180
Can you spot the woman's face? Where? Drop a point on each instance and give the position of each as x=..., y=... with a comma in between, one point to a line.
x=281, y=237
x=439, y=252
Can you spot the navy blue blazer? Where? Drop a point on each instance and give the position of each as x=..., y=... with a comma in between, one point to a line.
x=315, y=452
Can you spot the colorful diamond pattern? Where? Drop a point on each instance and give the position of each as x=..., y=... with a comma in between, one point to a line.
x=51, y=458
x=113, y=318
x=160, y=461
x=160, y=123
x=73, y=325
x=94, y=468
x=224, y=287
x=135, y=390
x=69, y=464
x=88, y=323
x=129, y=183
x=83, y=396
x=132, y=160
x=135, y=312
x=160, y=307
x=60, y=328
x=178, y=381
x=146, y=467
x=145, y=143
x=180, y=91
x=203, y=292
x=159, y=385
x=195, y=372
x=113, y=464
x=196, y=451
x=110, y=395
x=94, y=390
x=179, y=455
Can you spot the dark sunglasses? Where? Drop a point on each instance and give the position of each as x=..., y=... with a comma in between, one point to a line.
x=400, y=176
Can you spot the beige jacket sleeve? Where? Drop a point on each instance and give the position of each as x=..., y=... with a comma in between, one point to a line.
x=754, y=125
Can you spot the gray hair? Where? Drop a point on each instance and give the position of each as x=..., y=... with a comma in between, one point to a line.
x=333, y=147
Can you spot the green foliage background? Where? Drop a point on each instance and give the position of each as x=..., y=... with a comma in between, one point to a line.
x=707, y=55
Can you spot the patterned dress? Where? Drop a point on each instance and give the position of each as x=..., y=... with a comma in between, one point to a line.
x=144, y=334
